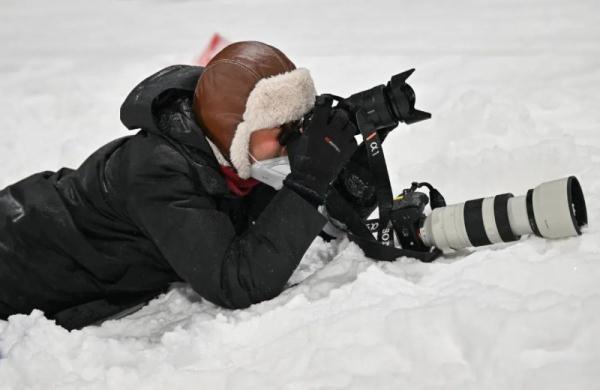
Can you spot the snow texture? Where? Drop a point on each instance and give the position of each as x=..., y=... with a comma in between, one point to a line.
x=513, y=87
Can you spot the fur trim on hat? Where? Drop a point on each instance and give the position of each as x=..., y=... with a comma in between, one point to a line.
x=274, y=101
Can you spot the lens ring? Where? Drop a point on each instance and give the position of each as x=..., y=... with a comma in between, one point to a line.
x=502, y=219
x=577, y=207
x=530, y=213
x=474, y=222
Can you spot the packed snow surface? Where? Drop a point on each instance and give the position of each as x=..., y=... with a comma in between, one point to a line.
x=513, y=88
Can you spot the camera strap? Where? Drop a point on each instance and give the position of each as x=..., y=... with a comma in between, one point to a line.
x=383, y=189
x=360, y=231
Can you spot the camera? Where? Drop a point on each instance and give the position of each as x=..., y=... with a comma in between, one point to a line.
x=554, y=209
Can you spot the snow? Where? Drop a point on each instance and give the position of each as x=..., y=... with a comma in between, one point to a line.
x=513, y=88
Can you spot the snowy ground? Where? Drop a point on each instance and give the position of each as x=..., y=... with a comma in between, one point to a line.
x=513, y=87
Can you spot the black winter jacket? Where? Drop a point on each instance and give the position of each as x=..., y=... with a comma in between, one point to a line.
x=144, y=211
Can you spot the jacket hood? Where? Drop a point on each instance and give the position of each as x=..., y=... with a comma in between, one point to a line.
x=161, y=104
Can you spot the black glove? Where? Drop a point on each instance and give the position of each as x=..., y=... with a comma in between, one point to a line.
x=318, y=154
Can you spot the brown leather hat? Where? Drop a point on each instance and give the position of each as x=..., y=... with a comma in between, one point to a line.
x=246, y=87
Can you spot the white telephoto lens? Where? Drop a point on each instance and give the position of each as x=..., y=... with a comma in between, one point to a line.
x=558, y=208
x=555, y=209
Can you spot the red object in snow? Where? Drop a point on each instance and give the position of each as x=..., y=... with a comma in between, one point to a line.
x=216, y=44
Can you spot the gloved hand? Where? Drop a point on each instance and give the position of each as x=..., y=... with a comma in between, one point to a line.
x=321, y=150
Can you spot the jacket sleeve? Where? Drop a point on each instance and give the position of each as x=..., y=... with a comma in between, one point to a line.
x=200, y=242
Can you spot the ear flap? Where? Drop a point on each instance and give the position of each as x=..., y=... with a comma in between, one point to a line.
x=273, y=101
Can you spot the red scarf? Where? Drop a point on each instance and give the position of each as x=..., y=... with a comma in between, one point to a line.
x=237, y=185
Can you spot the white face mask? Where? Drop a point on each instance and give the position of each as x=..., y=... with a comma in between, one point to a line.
x=271, y=171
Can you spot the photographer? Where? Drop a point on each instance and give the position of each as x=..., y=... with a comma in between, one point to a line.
x=176, y=201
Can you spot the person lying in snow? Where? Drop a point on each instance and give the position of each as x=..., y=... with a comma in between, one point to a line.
x=176, y=201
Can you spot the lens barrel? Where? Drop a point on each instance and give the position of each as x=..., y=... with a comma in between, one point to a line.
x=387, y=105
x=376, y=105
x=554, y=209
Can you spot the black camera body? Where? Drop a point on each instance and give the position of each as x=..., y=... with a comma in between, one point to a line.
x=375, y=112
x=554, y=209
